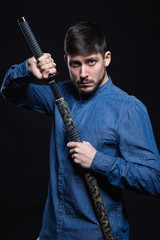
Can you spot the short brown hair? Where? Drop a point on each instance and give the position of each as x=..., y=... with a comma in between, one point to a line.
x=85, y=38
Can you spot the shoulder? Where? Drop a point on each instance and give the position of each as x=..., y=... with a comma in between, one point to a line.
x=64, y=84
x=67, y=88
x=120, y=104
x=44, y=90
x=125, y=100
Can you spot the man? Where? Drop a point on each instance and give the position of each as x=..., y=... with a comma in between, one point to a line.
x=118, y=144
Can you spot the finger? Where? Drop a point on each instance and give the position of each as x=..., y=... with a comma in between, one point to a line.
x=31, y=60
x=77, y=162
x=45, y=62
x=47, y=66
x=52, y=72
x=71, y=151
x=46, y=73
x=47, y=55
x=72, y=144
x=75, y=157
x=44, y=56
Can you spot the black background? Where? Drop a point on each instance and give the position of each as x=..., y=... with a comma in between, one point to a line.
x=132, y=32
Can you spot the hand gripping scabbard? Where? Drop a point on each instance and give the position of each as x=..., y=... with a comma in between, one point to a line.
x=73, y=135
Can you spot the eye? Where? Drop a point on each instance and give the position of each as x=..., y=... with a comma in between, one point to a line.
x=74, y=64
x=91, y=62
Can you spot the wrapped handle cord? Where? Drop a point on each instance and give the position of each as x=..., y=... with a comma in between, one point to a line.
x=73, y=134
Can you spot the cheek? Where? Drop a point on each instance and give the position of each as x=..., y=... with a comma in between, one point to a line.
x=73, y=74
x=98, y=72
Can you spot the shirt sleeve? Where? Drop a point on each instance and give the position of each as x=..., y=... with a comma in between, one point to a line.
x=138, y=164
x=18, y=88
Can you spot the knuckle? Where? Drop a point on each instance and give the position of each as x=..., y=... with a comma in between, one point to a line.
x=77, y=144
x=50, y=65
x=76, y=150
x=40, y=58
x=53, y=71
x=42, y=68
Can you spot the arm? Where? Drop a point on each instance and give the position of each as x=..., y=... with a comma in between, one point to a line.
x=138, y=166
x=18, y=88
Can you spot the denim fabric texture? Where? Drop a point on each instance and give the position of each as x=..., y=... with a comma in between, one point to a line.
x=118, y=126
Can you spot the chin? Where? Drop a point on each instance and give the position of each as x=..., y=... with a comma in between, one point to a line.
x=86, y=92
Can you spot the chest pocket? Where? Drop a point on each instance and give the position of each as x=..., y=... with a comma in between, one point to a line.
x=103, y=139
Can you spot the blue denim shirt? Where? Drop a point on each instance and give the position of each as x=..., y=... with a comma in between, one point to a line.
x=118, y=126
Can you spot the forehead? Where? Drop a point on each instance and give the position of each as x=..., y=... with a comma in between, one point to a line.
x=80, y=57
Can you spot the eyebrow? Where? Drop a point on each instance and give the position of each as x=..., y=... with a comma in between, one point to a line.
x=91, y=58
x=86, y=60
x=74, y=61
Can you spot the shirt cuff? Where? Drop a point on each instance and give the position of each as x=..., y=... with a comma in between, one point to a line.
x=27, y=72
x=100, y=163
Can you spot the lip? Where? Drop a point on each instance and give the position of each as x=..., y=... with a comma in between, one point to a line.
x=85, y=84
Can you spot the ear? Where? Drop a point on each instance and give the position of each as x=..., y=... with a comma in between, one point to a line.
x=65, y=59
x=107, y=58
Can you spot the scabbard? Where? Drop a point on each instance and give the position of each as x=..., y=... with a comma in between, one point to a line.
x=73, y=135
x=91, y=181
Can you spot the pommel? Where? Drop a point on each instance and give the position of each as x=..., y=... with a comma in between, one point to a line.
x=21, y=20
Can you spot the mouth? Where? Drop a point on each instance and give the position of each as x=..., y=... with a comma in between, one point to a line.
x=85, y=84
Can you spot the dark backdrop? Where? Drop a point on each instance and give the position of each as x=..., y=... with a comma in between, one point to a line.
x=132, y=31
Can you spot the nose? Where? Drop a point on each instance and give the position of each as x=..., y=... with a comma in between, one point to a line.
x=83, y=72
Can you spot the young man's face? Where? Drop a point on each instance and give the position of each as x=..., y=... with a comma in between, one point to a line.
x=88, y=72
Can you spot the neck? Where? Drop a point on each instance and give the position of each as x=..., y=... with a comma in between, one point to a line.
x=104, y=79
